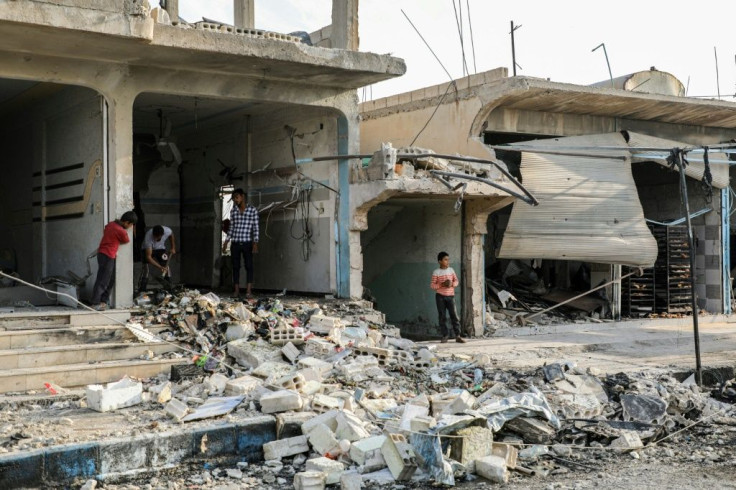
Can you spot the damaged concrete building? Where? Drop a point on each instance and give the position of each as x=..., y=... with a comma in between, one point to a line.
x=596, y=158
x=108, y=106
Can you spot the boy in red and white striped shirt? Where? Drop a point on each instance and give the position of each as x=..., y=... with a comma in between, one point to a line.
x=444, y=281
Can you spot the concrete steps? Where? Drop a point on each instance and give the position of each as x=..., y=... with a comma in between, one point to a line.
x=73, y=349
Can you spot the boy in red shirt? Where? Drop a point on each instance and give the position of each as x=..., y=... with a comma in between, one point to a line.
x=116, y=232
x=444, y=281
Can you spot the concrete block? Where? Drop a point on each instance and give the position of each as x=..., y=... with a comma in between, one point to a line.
x=627, y=441
x=328, y=419
x=351, y=480
x=313, y=363
x=285, y=447
x=324, y=403
x=399, y=457
x=323, y=324
x=508, y=452
x=272, y=370
x=282, y=334
x=312, y=388
x=410, y=413
x=289, y=424
x=293, y=381
x=280, y=401
x=216, y=384
x=464, y=401
x=237, y=331
x=382, y=355
x=121, y=394
x=422, y=423
x=333, y=469
x=290, y=352
x=252, y=353
x=310, y=374
x=310, y=480
x=439, y=402
x=176, y=409
x=319, y=348
x=242, y=385
x=350, y=427
x=322, y=439
x=474, y=443
x=492, y=468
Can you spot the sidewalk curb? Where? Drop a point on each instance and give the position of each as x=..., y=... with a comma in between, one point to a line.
x=65, y=463
x=592, y=327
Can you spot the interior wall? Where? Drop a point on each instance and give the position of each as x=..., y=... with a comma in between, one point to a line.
x=50, y=146
x=286, y=258
x=400, y=250
x=659, y=193
x=200, y=220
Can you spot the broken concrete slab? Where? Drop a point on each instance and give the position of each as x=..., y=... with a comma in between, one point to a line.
x=350, y=427
x=322, y=439
x=310, y=480
x=214, y=407
x=492, y=468
x=242, y=385
x=643, y=408
x=328, y=419
x=252, y=353
x=333, y=469
x=532, y=430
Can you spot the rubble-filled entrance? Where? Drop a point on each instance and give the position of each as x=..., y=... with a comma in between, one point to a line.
x=52, y=204
x=187, y=149
x=400, y=250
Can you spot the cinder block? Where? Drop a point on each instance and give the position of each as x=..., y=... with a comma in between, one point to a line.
x=382, y=355
x=324, y=403
x=492, y=468
x=312, y=388
x=439, y=402
x=464, y=401
x=272, y=370
x=285, y=447
x=290, y=351
x=351, y=480
x=289, y=424
x=328, y=419
x=242, y=385
x=422, y=423
x=120, y=394
x=282, y=334
x=333, y=469
x=323, y=324
x=474, y=443
x=399, y=457
x=310, y=480
x=280, y=401
x=319, y=348
x=410, y=413
x=176, y=409
x=322, y=439
x=290, y=382
x=350, y=427
x=313, y=363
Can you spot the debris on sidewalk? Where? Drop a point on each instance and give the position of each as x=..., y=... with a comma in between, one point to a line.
x=356, y=403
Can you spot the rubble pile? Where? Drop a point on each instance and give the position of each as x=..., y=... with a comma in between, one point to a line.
x=355, y=404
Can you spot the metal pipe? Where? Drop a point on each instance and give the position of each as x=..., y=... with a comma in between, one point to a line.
x=528, y=317
x=529, y=200
x=691, y=247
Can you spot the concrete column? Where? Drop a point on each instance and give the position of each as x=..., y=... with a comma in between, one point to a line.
x=344, y=33
x=172, y=8
x=473, y=266
x=245, y=14
x=120, y=194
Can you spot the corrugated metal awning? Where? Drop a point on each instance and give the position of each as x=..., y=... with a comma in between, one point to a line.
x=589, y=208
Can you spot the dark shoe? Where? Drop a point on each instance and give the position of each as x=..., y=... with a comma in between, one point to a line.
x=444, y=340
x=459, y=340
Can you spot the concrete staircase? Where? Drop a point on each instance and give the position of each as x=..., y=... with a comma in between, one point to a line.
x=73, y=348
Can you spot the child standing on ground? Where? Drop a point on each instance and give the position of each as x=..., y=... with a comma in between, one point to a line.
x=116, y=232
x=444, y=281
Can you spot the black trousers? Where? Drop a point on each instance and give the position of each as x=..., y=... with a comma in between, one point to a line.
x=158, y=255
x=446, y=304
x=246, y=250
x=105, y=279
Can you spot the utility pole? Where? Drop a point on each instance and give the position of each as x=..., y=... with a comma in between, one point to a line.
x=513, y=47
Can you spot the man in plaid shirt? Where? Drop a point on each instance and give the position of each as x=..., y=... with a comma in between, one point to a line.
x=243, y=233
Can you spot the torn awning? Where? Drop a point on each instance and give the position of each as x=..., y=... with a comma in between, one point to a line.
x=589, y=207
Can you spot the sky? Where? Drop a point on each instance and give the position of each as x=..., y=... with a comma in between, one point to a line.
x=555, y=39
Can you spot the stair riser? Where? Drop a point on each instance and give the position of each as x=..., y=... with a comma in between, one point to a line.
x=85, y=353
x=68, y=336
x=82, y=377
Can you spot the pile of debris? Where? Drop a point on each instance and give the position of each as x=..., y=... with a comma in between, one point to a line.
x=355, y=403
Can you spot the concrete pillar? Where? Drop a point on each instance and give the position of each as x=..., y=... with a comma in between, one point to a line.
x=344, y=33
x=245, y=14
x=473, y=264
x=172, y=8
x=120, y=194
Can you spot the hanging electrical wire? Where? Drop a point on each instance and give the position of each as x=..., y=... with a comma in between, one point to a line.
x=301, y=215
x=449, y=86
x=472, y=41
x=458, y=22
